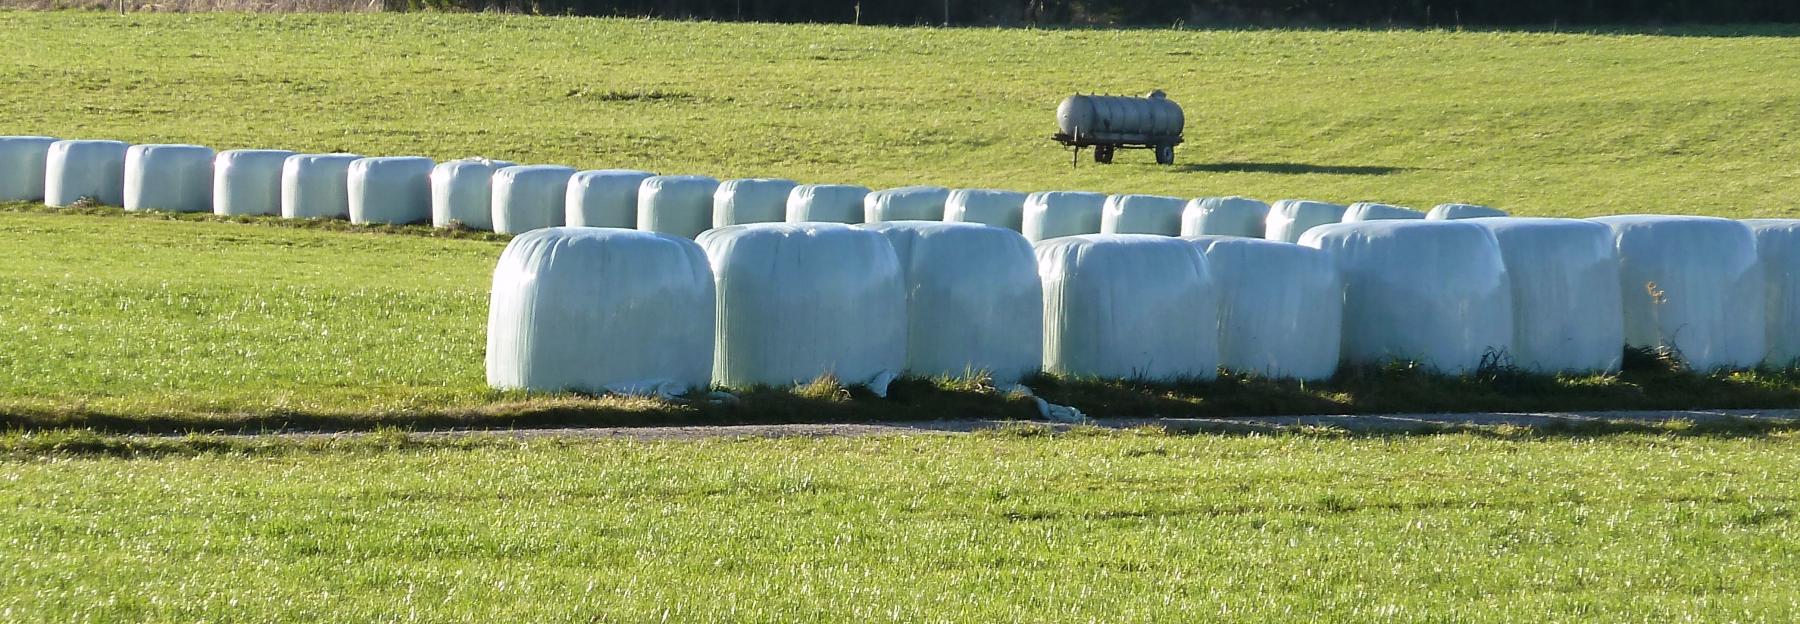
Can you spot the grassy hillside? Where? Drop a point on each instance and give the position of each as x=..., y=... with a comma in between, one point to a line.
x=1540, y=123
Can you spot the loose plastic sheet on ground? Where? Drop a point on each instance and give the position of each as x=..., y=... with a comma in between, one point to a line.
x=1371, y=211
x=248, y=182
x=910, y=203
x=679, y=205
x=316, y=186
x=604, y=198
x=173, y=178
x=1054, y=214
x=79, y=168
x=23, y=161
x=1566, y=311
x=598, y=310
x=1291, y=218
x=390, y=190
x=799, y=300
x=529, y=197
x=1778, y=246
x=462, y=191
x=1128, y=306
x=1445, y=212
x=1692, y=284
x=973, y=299
x=826, y=203
x=1432, y=292
x=751, y=200
x=1224, y=216
x=1142, y=214
x=1004, y=209
x=1280, y=307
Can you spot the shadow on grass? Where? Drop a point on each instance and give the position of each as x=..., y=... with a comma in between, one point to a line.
x=1290, y=168
x=455, y=231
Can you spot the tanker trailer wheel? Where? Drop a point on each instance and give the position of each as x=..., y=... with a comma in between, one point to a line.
x=1103, y=154
x=1165, y=154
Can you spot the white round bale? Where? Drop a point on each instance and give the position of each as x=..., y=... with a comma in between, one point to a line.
x=997, y=208
x=462, y=192
x=679, y=205
x=1432, y=292
x=1128, y=306
x=751, y=200
x=598, y=310
x=1291, y=218
x=1693, y=285
x=1054, y=214
x=1371, y=211
x=1224, y=216
x=826, y=203
x=907, y=203
x=393, y=190
x=248, y=182
x=529, y=197
x=973, y=299
x=316, y=186
x=22, y=165
x=174, y=178
x=1778, y=246
x=92, y=169
x=1281, y=309
x=1445, y=212
x=800, y=300
x=603, y=198
x=1142, y=214
x=1567, y=315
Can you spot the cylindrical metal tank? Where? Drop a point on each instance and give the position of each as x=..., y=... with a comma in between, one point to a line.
x=1150, y=120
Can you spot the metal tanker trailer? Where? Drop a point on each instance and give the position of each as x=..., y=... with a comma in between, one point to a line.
x=1109, y=122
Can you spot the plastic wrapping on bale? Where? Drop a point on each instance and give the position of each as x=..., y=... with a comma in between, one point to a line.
x=679, y=205
x=603, y=198
x=248, y=182
x=315, y=186
x=1371, y=211
x=92, y=169
x=1005, y=209
x=1432, y=292
x=390, y=190
x=462, y=192
x=1281, y=307
x=909, y=203
x=1778, y=246
x=1445, y=212
x=1224, y=216
x=1289, y=219
x=826, y=203
x=1566, y=308
x=973, y=299
x=1142, y=214
x=174, y=178
x=594, y=310
x=529, y=197
x=1128, y=306
x=801, y=300
x=22, y=165
x=1054, y=214
x=751, y=200
x=1693, y=285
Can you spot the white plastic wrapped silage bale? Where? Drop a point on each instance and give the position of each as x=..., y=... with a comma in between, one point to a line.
x=973, y=299
x=1566, y=309
x=92, y=169
x=1289, y=219
x=1371, y=211
x=1224, y=216
x=1778, y=246
x=603, y=198
x=390, y=190
x=907, y=203
x=1432, y=292
x=597, y=310
x=1142, y=214
x=801, y=300
x=1446, y=212
x=1054, y=214
x=462, y=192
x=248, y=182
x=679, y=205
x=1281, y=307
x=316, y=186
x=529, y=197
x=175, y=178
x=997, y=208
x=826, y=203
x=1128, y=306
x=22, y=164
x=1693, y=285
x=751, y=200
